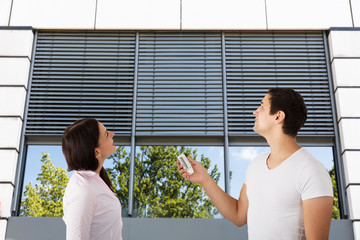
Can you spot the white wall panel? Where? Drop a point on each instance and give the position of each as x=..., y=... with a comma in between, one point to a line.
x=5, y=6
x=344, y=44
x=347, y=102
x=16, y=43
x=3, y=224
x=14, y=97
x=224, y=14
x=54, y=14
x=353, y=193
x=308, y=14
x=356, y=226
x=10, y=129
x=352, y=166
x=349, y=134
x=355, y=7
x=138, y=14
x=14, y=71
x=346, y=72
x=6, y=193
x=8, y=160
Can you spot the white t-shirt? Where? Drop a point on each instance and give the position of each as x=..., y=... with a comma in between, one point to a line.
x=275, y=196
x=91, y=209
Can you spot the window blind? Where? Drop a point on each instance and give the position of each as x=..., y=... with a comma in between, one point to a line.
x=256, y=62
x=180, y=84
x=179, y=81
x=81, y=75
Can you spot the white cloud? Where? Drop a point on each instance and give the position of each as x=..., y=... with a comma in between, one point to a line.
x=246, y=153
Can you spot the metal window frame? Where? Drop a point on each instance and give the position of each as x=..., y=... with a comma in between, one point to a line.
x=226, y=141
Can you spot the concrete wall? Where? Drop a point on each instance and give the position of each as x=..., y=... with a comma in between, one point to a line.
x=344, y=47
x=15, y=58
x=180, y=14
x=158, y=228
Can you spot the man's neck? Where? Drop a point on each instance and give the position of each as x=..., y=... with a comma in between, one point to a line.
x=282, y=147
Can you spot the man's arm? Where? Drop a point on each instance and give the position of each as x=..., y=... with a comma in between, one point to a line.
x=232, y=209
x=317, y=217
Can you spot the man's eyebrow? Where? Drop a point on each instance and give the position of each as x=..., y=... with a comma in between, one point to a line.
x=262, y=102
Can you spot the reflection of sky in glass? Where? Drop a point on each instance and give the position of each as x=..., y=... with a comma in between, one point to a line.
x=216, y=156
x=240, y=158
x=33, y=164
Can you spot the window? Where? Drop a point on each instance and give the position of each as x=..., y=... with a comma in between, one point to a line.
x=171, y=89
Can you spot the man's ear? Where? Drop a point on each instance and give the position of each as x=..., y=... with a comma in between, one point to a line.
x=280, y=116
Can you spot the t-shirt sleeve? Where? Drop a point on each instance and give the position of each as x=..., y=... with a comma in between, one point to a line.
x=78, y=212
x=315, y=181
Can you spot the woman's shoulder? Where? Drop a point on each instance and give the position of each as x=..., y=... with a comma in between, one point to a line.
x=80, y=183
x=82, y=179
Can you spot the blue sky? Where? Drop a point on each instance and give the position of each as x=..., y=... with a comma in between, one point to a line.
x=240, y=158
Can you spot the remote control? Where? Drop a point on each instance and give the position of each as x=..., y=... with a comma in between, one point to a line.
x=185, y=162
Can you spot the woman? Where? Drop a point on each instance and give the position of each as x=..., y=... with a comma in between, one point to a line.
x=91, y=210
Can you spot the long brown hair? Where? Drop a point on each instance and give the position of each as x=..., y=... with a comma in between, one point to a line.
x=78, y=146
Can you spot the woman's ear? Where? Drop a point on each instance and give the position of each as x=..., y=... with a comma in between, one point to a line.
x=97, y=153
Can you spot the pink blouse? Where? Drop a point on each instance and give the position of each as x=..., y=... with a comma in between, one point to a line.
x=91, y=210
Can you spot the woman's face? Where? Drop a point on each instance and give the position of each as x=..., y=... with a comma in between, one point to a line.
x=106, y=145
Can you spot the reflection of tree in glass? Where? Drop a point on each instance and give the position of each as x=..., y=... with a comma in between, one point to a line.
x=335, y=211
x=159, y=189
x=45, y=199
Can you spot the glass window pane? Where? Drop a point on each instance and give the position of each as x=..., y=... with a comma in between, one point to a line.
x=45, y=180
x=118, y=168
x=44, y=183
x=161, y=192
x=326, y=156
x=240, y=158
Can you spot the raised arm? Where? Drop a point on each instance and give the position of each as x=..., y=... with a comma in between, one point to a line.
x=232, y=209
x=317, y=217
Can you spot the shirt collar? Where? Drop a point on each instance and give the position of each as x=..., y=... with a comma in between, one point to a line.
x=86, y=173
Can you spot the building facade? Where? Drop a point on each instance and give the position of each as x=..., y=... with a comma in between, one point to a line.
x=22, y=20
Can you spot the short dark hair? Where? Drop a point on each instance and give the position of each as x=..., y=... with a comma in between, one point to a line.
x=292, y=104
x=79, y=141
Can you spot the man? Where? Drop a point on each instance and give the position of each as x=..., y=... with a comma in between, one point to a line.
x=287, y=193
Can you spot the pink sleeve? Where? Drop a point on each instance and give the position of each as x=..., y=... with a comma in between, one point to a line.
x=79, y=212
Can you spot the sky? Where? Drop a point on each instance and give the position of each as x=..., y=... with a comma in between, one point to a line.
x=240, y=158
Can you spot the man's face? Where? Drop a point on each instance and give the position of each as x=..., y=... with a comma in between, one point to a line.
x=263, y=120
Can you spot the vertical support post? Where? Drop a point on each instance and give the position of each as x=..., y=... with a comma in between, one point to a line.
x=226, y=132
x=133, y=130
x=339, y=170
x=20, y=169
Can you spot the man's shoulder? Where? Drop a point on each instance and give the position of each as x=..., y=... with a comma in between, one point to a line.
x=305, y=158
